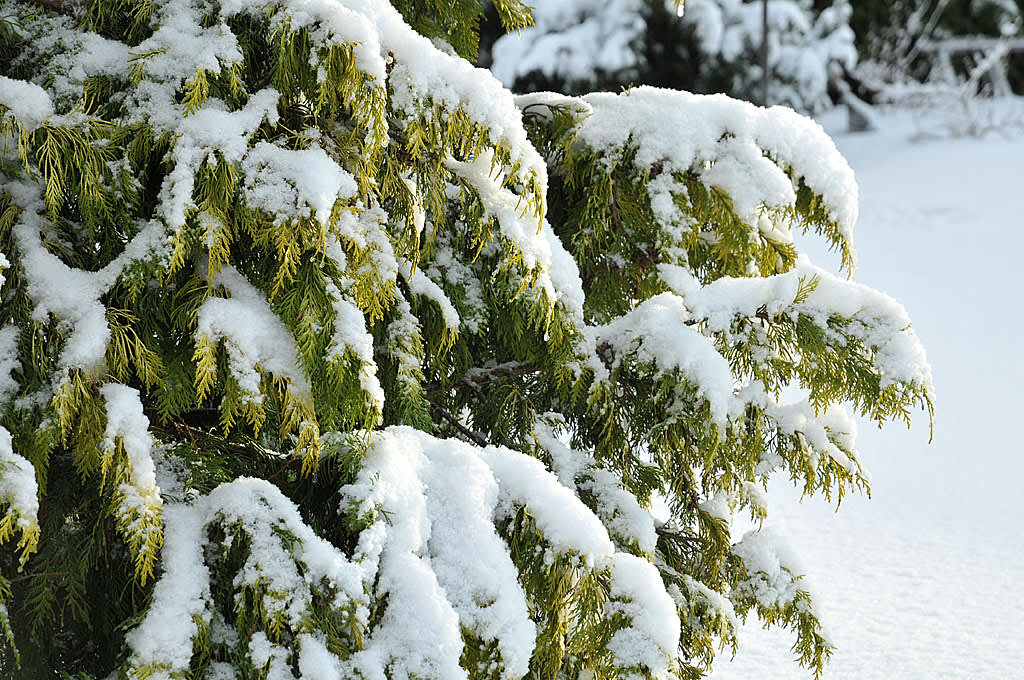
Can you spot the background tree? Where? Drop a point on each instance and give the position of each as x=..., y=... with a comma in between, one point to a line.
x=324, y=357
x=714, y=46
x=891, y=39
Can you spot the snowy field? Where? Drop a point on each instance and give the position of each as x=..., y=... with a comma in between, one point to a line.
x=926, y=579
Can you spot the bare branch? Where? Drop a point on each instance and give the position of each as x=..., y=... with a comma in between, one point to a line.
x=475, y=437
x=672, y=533
x=511, y=369
x=40, y=574
x=475, y=378
x=193, y=433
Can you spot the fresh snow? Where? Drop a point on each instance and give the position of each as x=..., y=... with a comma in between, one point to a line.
x=653, y=639
x=71, y=294
x=18, y=488
x=8, y=361
x=421, y=284
x=182, y=597
x=254, y=336
x=771, y=567
x=657, y=328
x=139, y=495
x=290, y=183
x=618, y=509
x=879, y=321
x=350, y=334
x=29, y=103
x=435, y=550
x=921, y=209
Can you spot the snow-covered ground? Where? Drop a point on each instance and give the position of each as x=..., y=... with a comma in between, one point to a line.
x=926, y=579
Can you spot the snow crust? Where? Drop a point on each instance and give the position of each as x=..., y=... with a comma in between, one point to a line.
x=212, y=129
x=565, y=274
x=832, y=430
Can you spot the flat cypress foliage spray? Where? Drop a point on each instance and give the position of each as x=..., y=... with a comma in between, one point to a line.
x=322, y=356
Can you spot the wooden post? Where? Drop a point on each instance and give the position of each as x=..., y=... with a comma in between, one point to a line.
x=764, y=52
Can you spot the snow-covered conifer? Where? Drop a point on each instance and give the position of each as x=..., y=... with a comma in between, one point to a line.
x=322, y=356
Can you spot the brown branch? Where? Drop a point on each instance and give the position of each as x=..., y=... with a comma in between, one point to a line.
x=674, y=534
x=192, y=433
x=475, y=378
x=39, y=575
x=481, y=376
x=475, y=437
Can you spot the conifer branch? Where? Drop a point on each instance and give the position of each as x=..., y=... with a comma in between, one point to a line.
x=511, y=369
x=209, y=367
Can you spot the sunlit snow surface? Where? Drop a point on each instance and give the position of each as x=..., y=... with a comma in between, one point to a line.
x=926, y=579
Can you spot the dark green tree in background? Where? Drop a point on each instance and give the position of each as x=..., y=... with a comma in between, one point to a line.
x=715, y=46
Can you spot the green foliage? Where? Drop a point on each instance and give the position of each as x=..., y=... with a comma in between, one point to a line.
x=458, y=23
